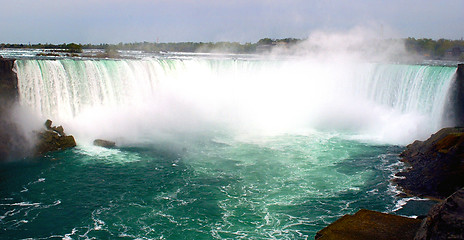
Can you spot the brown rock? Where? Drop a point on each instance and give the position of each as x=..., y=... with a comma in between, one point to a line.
x=53, y=139
x=59, y=130
x=48, y=124
x=436, y=165
x=370, y=225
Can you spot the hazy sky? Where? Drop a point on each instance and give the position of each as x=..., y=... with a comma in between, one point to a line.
x=113, y=21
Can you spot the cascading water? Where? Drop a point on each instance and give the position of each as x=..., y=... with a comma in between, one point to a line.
x=217, y=148
x=378, y=101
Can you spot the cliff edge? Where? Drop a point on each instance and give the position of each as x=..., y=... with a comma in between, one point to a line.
x=456, y=108
x=11, y=140
x=436, y=165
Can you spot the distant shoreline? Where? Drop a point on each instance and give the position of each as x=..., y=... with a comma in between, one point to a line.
x=425, y=48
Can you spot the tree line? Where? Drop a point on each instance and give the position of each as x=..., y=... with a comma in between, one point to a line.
x=429, y=48
x=435, y=48
x=230, y=47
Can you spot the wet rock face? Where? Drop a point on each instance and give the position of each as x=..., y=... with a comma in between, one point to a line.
x=368, y=225
x=457, y=98
x=436, y=165
x=8, y=81
x=12, y=142
x=53, y=139
x=445, y=220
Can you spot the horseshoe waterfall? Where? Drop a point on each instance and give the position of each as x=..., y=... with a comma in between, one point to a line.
x=217, y=148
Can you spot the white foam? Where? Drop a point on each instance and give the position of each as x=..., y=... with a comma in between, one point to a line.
x=403, y=201
x=21, y=204
x=68, y=235
x=98, y=154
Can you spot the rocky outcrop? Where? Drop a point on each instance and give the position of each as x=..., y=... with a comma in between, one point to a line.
x=368, y=225
x=445, y=220
x=53, y=139
x=104, y=143
x=436, y=165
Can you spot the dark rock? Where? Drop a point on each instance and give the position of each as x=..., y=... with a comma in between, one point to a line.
x=8, y=81
x=445, y=220
x=13, y=143
x=59, y=130
x=104, y=143
x=436, y=165
x=48, y=124
x=53, y=139
x=368, y=225
x=455, y=112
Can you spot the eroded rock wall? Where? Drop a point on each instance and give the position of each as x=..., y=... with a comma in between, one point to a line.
x=12, y=141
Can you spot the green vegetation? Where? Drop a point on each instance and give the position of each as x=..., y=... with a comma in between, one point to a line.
x=70, y=47
x=73, y=48
x=110, y=52
x=441, y=48
x=268, y=41
x=428, y=48
x=229, y=47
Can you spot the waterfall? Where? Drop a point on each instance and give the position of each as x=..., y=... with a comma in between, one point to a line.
x=386, y=102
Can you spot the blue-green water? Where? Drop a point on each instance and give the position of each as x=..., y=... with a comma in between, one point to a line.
x=281, y=187
x=215, y=148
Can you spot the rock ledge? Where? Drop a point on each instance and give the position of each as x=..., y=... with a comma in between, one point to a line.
x=368, y=225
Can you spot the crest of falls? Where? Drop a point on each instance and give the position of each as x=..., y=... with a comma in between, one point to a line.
x=389, y=103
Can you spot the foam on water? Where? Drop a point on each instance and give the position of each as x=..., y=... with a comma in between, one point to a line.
x=97, y=155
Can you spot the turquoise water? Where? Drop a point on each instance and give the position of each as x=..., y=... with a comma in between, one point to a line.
x=280, y=187
x=216, y=148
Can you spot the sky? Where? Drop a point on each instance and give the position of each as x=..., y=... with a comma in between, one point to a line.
x=114, y=21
